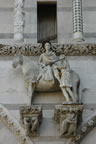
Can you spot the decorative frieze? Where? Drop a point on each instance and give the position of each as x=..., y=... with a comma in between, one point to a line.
x=19, y=21
x=37, y=49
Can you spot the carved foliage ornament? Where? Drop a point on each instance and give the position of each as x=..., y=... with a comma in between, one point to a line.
x=13, y=125
x=85, y=128
x=37, y=49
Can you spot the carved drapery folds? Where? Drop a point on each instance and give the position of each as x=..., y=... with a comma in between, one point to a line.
x=77, y=20
x=31, y=118
x=19, y=21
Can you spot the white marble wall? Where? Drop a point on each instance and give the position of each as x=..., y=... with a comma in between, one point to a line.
x=64, y=20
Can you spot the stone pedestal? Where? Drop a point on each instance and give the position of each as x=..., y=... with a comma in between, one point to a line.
x=30, y=119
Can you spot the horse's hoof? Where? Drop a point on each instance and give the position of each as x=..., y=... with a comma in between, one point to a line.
x=66, y=102
x=69, y=102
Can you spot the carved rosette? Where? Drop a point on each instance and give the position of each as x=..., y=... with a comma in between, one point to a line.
x=88, y=125
x=69, y=118
x=31, y=118
x=19, y=21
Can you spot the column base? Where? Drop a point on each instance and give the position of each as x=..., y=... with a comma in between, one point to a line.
x=78, y=37
x=18, y=38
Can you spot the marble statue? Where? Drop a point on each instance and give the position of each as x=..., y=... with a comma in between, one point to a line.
x=63, y=74
x=46, y=60
x=68, y=125
x=50, y=73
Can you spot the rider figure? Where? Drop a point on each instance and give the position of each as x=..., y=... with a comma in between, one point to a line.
x=51, y=67
x=45, y=61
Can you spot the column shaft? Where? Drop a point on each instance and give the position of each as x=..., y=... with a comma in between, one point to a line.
x=77, y=20
x=19, y=21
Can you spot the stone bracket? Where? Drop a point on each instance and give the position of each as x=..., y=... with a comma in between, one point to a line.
x=31, y=118
x=69, y=117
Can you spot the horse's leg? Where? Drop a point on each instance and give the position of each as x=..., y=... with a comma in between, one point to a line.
x=71, y=94
x=30, y=93
x=76, y=87
x=65, y=95
x=32, y=90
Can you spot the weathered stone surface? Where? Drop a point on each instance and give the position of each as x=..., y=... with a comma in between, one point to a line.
x=49, y=74
x=19, y=21
x=69, y=118
x=37, y=49
x=13, y=125
x=31, y=118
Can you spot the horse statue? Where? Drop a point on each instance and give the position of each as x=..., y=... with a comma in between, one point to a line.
x=34, y=82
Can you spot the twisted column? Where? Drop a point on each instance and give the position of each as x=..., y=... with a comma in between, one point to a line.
x=77, y=20
x=19, y=21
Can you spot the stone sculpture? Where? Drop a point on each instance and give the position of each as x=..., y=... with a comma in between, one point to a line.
x=31, y=118
x=68, y=125
x=31, y=125
x=69, y=118
x=62, y=72
x=49, y=74
x=46, y=60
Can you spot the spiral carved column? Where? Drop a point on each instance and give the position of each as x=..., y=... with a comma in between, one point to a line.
x=19, y=21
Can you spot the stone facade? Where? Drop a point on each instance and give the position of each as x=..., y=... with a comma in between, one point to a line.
x=18, y=35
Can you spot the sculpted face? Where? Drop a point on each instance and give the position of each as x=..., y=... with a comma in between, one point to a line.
x=47, y=46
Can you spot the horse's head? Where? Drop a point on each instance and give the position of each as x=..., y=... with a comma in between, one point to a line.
x=18, y=59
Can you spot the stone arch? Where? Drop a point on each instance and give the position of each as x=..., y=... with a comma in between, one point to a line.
x=13, y=125
x=86, y=127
